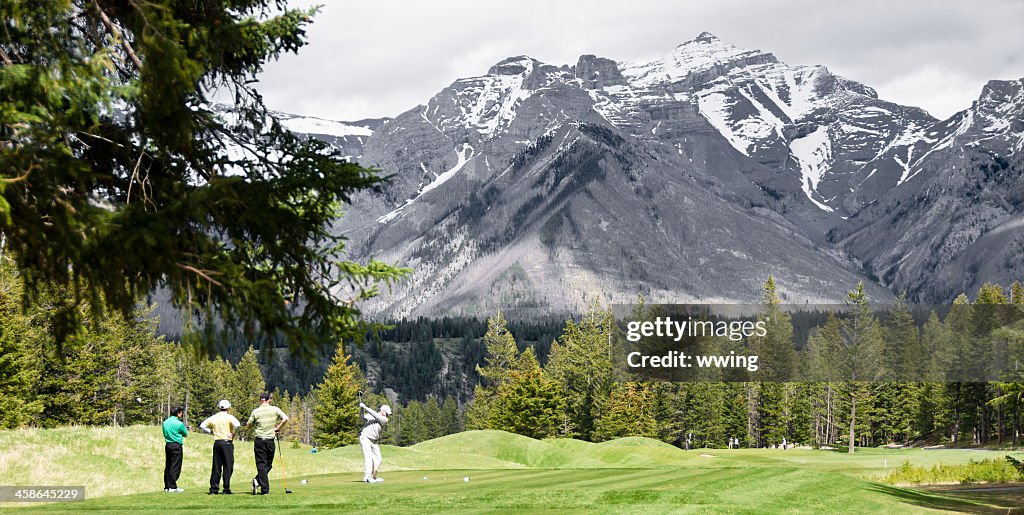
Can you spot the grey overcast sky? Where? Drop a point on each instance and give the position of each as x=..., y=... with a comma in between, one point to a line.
x=380, y=58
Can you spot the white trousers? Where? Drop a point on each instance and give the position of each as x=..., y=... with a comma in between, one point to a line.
x=371, y=457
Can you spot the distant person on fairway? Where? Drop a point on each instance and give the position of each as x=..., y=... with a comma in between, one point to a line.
x=269, y=420
x=174, y=435
x=373, y=425
x=223, y=426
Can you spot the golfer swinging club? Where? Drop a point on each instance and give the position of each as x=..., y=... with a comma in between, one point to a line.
x=373, y=425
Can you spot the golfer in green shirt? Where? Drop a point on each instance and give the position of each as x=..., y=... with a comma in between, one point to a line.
x=174, y=435
x=269, y=420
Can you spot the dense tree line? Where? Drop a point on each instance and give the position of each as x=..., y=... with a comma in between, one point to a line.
x=860, y=401
x=118, y=371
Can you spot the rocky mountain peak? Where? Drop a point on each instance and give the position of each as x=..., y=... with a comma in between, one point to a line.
x=516, y=65
x=706, y=37
x=700, y=59
x=598, y=72
x=1002, y=98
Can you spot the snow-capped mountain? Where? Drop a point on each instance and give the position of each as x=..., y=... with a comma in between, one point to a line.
x=689, y=176
x=803, y=120
x=946, y=209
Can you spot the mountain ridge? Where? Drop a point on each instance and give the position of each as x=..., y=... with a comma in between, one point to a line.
x=546, y=187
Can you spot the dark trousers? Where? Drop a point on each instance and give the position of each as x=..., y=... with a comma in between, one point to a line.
x=172, y=464
x=264, y=450
x=223, y=464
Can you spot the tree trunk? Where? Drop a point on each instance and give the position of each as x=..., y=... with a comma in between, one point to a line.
x=1016, y=424
x=828, y=415
x=1000, y=432
x=853, y=417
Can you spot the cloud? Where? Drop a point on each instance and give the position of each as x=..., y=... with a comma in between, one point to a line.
x=380, y=58
x=943, y=90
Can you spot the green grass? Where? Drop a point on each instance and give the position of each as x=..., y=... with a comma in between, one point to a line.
x=509, y=473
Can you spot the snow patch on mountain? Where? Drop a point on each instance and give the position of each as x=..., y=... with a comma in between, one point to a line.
x=716, y=107
x=814, y=154
x=313, y=125
x=464, y=155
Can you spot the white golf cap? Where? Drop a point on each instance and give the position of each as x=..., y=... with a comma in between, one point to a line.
x=224, y=404
x=386, y=409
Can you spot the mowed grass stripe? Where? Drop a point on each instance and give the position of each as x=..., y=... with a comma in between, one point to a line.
x=509, y=473
x=597, y=490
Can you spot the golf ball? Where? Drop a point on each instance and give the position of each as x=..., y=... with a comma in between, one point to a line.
x=466, y=479
x=424, y=478
x=303, y=481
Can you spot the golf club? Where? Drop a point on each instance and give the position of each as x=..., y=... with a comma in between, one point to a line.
x=284, y=471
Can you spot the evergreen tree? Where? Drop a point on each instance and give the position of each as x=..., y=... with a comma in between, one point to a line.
x=309, y=403
x=628, y=411
x=434, y=420
x=903, y=355
x=165, y=385
x=734, y=411
x=969, y=358
x=451, y=421
x=905, y=361
x=581, y=362
x=801, y=414
x=246, y=386
x=777, y=362
x=852, y=350
x=111, y=142
x=776, y=351
x=478, y=413
x=20, y=367
x=931, y=415
x=990, y=293
x=773, y=414
x=413, y=424
x=864, y=344
x=130, y=347
x=501, y=353
x=703, y=417
x=935, y=343
x=528, y=403
x=1011, y=397
x=337, y=418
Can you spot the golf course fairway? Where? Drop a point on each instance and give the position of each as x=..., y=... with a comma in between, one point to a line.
x=507, y=473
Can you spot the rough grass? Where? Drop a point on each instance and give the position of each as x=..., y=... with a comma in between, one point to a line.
x=508, y=473
x=984, y=471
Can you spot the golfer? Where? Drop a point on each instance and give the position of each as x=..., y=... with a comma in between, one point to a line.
x=269, y=420
x=373, y=426
x=223, y=426
x=174, y=435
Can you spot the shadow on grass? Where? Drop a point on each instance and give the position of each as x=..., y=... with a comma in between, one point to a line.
x=1009, y=495
x=936, y=501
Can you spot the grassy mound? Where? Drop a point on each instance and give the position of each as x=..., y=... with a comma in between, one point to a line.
x=513, y=449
